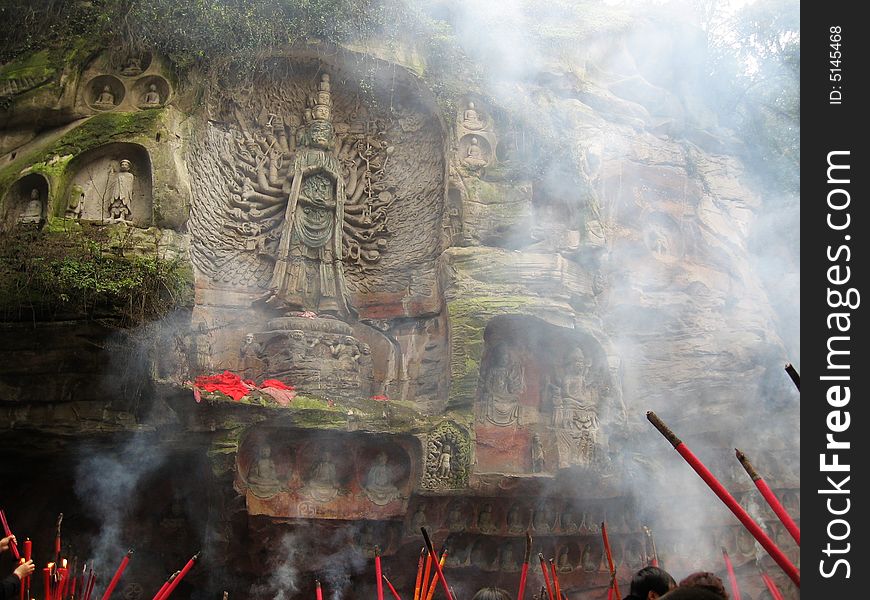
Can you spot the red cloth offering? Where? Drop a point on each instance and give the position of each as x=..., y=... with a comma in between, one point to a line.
x=237, y=388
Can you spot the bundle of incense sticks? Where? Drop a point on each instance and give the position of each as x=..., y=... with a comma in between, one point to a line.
x=748, y=522
x=6, y=533
x=438, y=569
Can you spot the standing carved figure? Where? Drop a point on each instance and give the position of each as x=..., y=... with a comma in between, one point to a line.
x=443, y=469
x=121, y=198
x=308, y=271
x=502, y=384
x=575, y=412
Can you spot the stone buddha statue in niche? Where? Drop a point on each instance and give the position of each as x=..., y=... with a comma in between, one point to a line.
x=105, y=99
x=379, y=487
x=152, y=96
x=323, y=483
x=564, y=562
x=32, y=211
x=516, y=520
x=456, y=520
x=474, y=156
x=485, y=522
x=122, y=193
x=502, y=385
x=262, y=475
x=471, y=119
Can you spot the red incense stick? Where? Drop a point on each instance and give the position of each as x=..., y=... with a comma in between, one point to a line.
x=426, y=573
x=729, y=501
x=13, y=547
x=525, y=572
x=437, y=566
x=732, y=578
x=177, y=580
x=419, y=582
x=610, y=559
x=771, y=587
x=378, y=573
x=165, y=585
x=556, y=586
x=108, y=593
x=770, y=497
x=318, y=591
x=546, y=577
x=392, y=589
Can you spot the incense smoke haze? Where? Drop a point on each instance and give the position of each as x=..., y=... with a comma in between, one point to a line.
x=561, y=94
x=108, y=485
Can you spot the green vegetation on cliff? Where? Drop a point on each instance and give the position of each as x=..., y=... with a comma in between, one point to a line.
x=83, y=271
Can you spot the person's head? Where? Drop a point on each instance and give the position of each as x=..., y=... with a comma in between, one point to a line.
x=650, y=583
x=707, y=581
x=691, y=593
x=491, y=593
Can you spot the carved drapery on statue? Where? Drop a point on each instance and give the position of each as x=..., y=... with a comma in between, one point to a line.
x=308, y=272
x=575, y=402
x=314, y=200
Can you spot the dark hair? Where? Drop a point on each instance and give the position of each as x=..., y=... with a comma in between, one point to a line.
x=649, y=579
x=491, y=593
x=706, y=580
x=691, y=592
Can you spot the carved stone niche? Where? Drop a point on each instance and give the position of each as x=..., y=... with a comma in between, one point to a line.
x=662, y=236
x=448, y=458
x=568, y=557
x=135, y=64
x=542, y=394
x=111, y=184
x=288, y=473
x=27, y=201
x=151, y=91
x=362, y=185
x=485, y=554
x=105, y=92
x=475, y=152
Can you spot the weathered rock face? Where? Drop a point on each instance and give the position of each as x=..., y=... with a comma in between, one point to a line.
x=472, y=346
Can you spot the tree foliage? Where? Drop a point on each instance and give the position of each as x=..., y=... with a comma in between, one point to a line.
x=755, y=79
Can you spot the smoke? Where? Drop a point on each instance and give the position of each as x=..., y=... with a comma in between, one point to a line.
x=283, y=582
x=108, y=485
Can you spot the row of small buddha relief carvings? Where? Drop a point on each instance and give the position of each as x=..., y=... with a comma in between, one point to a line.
x=133, y=82
x=506, y=555
x=107, y=92
x=491, y=516
x=321, y=473
x=110, y=184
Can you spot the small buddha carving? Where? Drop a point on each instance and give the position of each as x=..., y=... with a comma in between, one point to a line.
x=323, y=483
x=262, y=476
x=485, y=522
x=32, y=212
x=443, y=468
x=152, y=96
x=379, y=486
x=105, y=99
x=133, y=67
x=516, y=522
x=471, y=119
x=455, y=518
x=537, y=450
x=474, y=157
x=418, y=520
x=564, y=563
